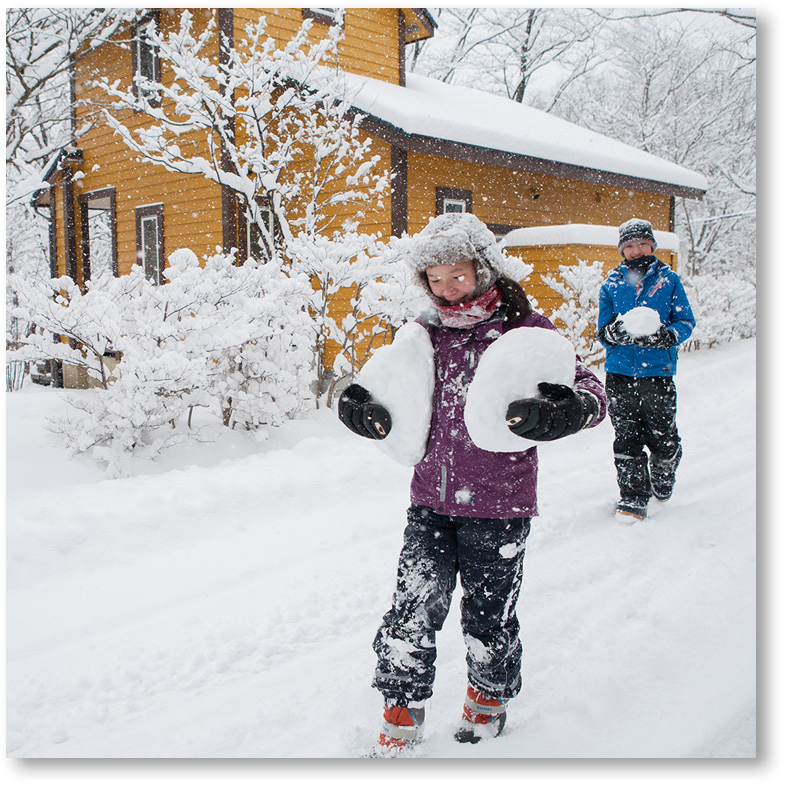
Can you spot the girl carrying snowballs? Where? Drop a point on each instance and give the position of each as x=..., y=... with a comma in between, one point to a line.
x=474, y=420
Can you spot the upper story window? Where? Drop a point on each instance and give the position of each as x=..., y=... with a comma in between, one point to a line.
x=145, y=59
x=455, y=206
x=326, y=16
x=453, y=200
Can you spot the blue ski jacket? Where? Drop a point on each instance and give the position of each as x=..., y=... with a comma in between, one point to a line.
x=660, y=289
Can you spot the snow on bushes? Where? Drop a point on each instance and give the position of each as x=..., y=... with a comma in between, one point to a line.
x=237, y=337
x=725, y=308
x=576, y=317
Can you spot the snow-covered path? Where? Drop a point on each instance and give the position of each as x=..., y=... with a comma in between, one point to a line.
x=222, y=603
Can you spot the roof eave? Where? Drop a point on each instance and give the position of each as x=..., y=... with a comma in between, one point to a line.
x=462, y=151
x=63, y=156
x=420, y=25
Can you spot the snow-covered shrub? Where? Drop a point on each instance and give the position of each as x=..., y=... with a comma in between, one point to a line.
x=576, y=317
x=255, y=337
x=724, y=307
x=75, y=327
x=235, y=336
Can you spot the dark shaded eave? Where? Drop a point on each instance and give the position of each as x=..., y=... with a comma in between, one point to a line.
x=461, y=151
x=423, y=27
x=67, y=154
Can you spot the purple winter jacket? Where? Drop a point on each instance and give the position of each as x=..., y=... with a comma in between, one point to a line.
x=455, y=477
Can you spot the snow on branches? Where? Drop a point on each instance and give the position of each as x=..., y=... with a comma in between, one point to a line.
x=234, y=337
x=576, y=316
x=274, y=124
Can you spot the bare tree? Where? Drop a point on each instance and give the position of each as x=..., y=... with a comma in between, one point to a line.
x=42, y=45
x=678, y=92
x=509, y=49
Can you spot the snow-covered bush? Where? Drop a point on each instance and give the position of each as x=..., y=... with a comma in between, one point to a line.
x=223, y=334
x=75, y=327
x=255, y=336
x=724, y=307
x=576, y=317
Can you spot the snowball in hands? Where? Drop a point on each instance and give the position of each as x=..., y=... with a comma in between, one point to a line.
x=641, y=321
x=510, y=369
x=400, y=378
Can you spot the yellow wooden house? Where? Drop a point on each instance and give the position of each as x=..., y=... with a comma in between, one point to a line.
x=448, y=149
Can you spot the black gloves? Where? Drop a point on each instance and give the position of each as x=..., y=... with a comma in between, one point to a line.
x=662, y=339
x=560, y=413
x=614, y=334
x=359, y=414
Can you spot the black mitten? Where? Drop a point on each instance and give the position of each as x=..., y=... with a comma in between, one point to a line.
x=662, y=339
x=560, y=412
x=360, y=414
x=614, y=334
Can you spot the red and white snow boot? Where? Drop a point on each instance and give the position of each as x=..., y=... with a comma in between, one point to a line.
x=483, y=717
x=401, y=731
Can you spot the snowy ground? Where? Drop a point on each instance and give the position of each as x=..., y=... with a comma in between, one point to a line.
x=221, y=603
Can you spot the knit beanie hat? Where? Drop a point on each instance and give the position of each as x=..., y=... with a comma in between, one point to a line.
x=453, y=238
x=636, y=230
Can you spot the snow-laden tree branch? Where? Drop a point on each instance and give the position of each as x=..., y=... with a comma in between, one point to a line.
x=273, y=123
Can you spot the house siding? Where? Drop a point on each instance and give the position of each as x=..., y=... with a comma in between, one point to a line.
x=192, y=204
x=514, y=198
x=370, y=43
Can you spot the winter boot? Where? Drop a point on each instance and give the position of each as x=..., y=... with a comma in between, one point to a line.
x=632, y=506
x=483, y=717
x=401, y=730
x=663, y=475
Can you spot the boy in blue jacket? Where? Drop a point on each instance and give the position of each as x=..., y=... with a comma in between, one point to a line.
x=640, y=369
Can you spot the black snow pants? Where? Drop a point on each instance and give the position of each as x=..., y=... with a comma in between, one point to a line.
x=488, y=554
x=643, y=413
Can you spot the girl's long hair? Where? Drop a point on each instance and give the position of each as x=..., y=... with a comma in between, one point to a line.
x=518, y=305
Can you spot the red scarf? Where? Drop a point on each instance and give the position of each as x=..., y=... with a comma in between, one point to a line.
x=464, y=315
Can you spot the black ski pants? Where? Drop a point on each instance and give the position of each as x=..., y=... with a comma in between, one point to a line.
x=643, y=413
x=488, y=555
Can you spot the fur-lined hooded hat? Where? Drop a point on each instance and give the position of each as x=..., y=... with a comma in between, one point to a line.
x=453, y=238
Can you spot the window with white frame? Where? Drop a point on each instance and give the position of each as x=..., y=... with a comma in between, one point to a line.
x=454, y=206
x=453, y=200
x=150, y=241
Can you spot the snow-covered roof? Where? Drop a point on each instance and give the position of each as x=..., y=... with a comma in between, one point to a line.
x=429, y=108
x=578, y=234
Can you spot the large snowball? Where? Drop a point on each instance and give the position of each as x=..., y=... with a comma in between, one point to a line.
x=510, y=369
x=641, y=321
x=400, y=377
